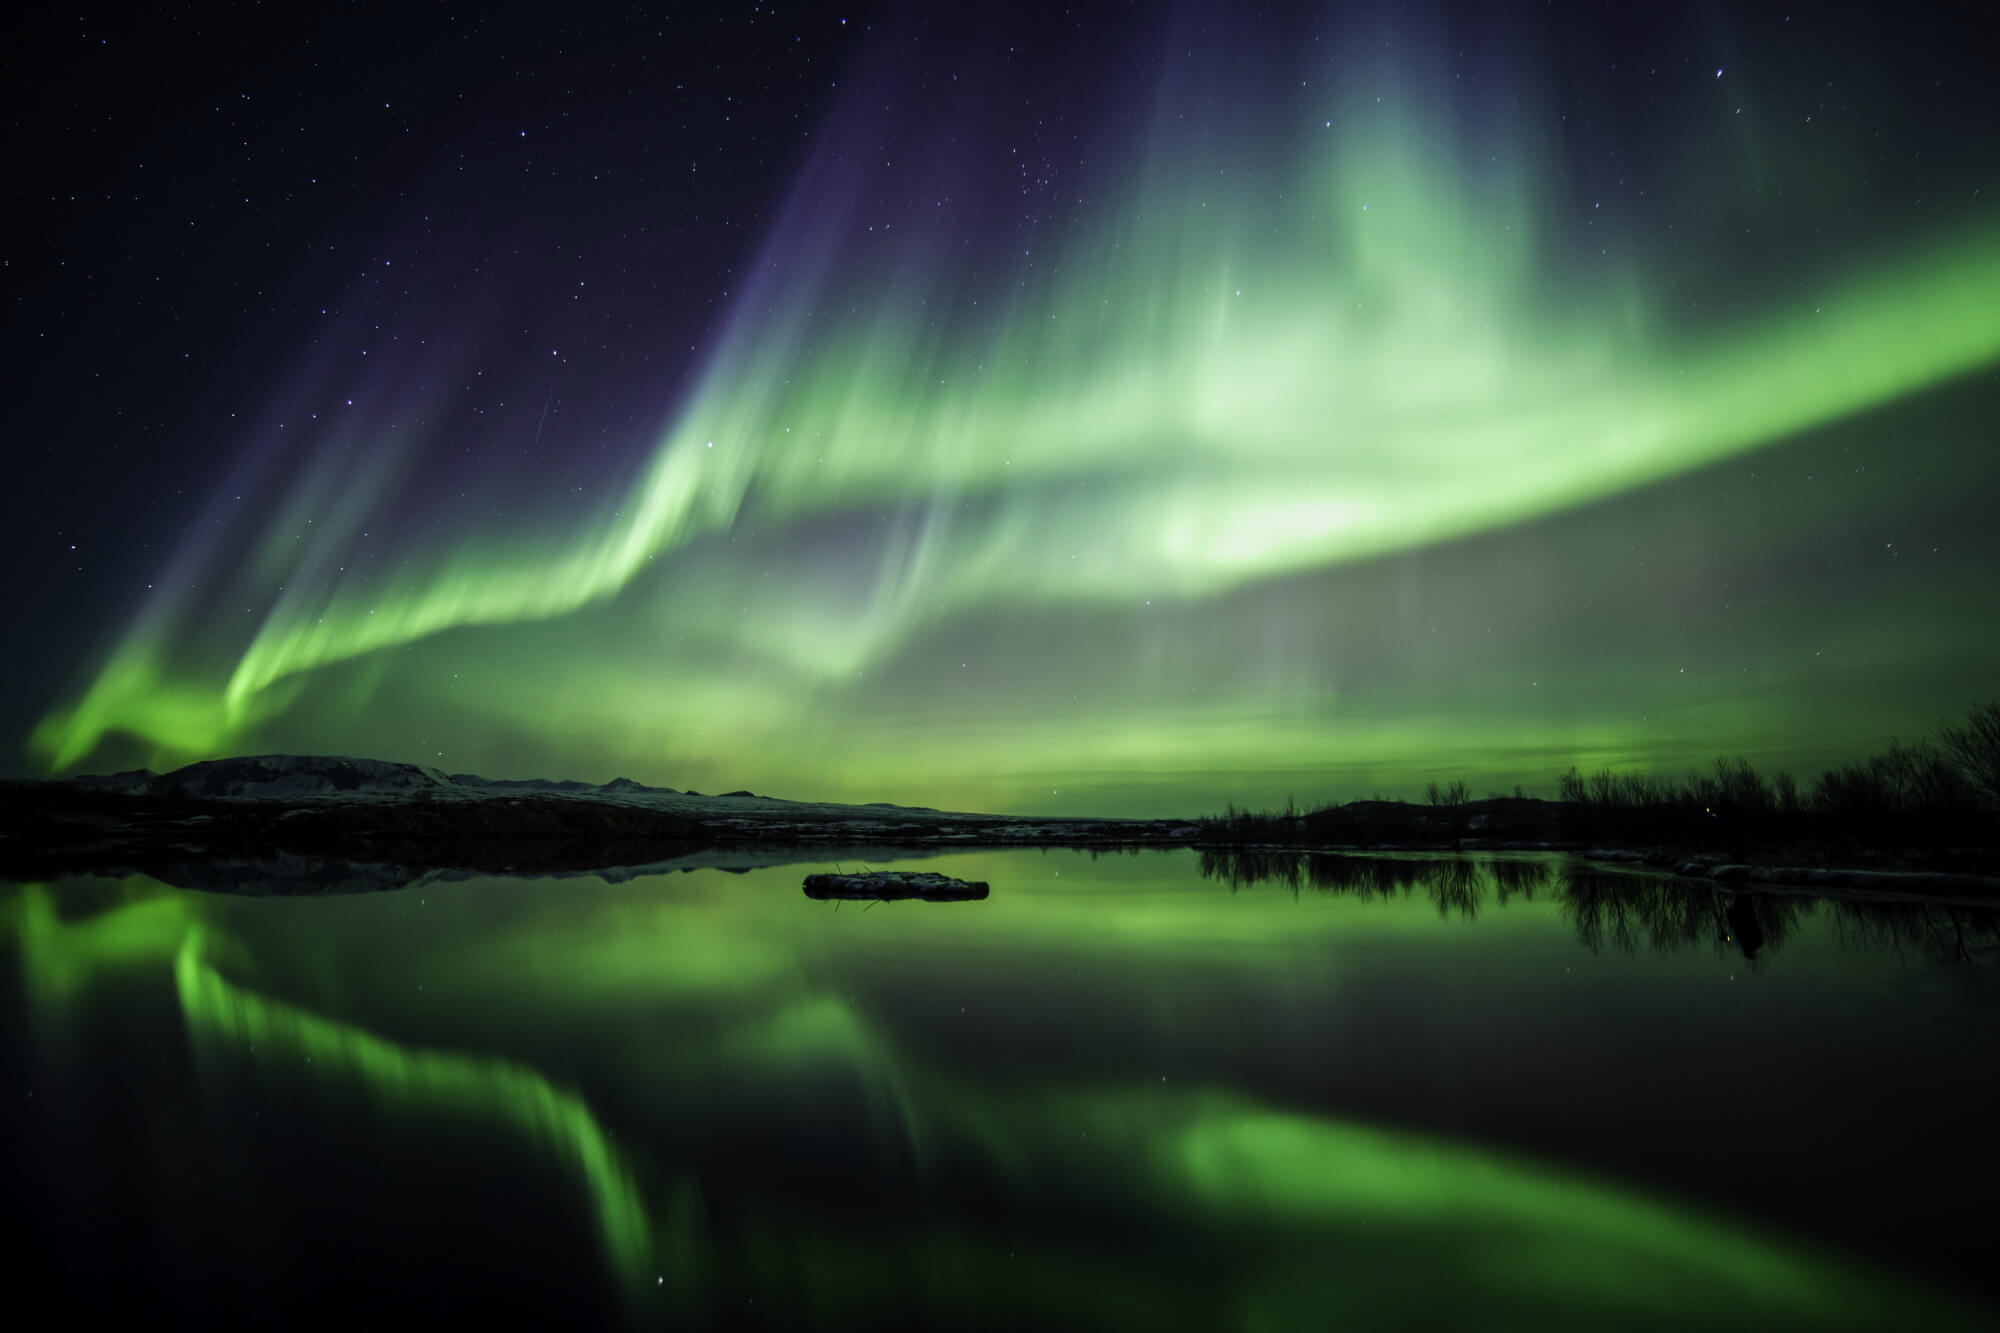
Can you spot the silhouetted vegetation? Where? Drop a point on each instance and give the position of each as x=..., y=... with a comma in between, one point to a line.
x=1937, y=797
x=1922, y=794
x=1974, y=746
x=1264, y=825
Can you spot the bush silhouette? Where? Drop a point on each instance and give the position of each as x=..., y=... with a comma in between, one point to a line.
x=1926, y=793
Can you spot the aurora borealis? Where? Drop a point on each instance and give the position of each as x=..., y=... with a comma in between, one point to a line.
x=1115, y=415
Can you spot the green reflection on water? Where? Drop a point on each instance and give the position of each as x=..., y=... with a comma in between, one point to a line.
x=438, y=1082
x=891, y=1161
x=1582, y=1243
x=60, y=959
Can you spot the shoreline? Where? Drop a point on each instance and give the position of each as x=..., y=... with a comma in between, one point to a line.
x=318, y=821
x=376, y=841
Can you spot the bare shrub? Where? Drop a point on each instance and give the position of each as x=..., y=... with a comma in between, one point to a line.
x=1973, y=746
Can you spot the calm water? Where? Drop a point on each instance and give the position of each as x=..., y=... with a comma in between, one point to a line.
x=1137, y=1091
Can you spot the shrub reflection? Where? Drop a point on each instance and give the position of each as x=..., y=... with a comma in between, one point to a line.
x=1624, y=910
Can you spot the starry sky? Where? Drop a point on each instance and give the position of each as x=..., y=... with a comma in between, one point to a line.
x=1117, y=410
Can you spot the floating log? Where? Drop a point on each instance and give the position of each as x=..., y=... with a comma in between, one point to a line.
x=887, y=886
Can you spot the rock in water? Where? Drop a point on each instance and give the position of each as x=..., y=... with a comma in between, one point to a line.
x=885, y=886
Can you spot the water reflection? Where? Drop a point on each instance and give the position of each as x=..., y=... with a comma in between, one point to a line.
x=1668, y=915
x=230, y=1023
x=1625, y=910
x=1108, y=1090
x=1453, y=883
x=241, y=1037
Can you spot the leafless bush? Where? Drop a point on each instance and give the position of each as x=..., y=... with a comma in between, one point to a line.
x=1973, y=746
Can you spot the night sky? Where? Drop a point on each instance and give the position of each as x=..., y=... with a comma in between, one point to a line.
x=1122, y=410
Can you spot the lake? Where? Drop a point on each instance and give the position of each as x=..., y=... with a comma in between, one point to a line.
x=1163, y=1090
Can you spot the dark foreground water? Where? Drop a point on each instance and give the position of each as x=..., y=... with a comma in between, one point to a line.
x=1148, y=1092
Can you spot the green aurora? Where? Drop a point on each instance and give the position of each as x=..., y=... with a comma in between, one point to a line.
x=1311, y=477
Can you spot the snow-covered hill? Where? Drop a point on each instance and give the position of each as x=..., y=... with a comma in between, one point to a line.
x=279, y=776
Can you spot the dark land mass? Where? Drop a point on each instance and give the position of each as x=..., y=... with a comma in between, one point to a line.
x=320, y=824
x=311, y=823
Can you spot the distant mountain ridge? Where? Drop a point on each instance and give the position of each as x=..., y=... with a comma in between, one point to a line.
x=275, y=777
x=290, y=823
x=286, y=776
x=548, y=784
